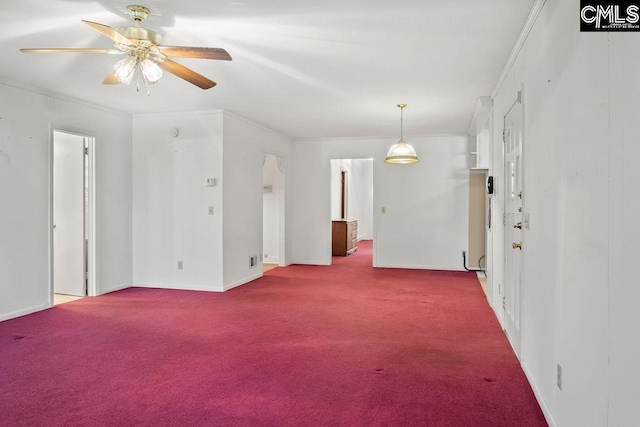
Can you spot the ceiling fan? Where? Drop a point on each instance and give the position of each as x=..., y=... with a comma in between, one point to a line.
x=145, y=53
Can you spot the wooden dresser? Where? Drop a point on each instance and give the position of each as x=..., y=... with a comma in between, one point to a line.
x=344, y=237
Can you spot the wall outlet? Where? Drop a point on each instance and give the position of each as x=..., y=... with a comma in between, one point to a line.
x=559, y=376
x=180, y=265
x=210, y=210
x=527, y=221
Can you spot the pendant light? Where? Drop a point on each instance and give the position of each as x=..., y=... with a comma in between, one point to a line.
x=401, y=152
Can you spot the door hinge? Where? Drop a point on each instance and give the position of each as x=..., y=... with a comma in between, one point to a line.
x=504, y=219
x=504, y=135
x=86, y=151
x=504, y=304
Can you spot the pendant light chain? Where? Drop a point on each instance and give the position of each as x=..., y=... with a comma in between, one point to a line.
x=401, y=123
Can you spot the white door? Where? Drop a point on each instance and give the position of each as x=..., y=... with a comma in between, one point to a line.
x=513, y=136
x=69, y=272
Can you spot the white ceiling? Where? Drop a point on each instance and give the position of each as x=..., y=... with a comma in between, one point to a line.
x=305, y=68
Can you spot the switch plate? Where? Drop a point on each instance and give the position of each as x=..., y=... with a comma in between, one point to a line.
x=180, y=265
x=210, y=210
x=383, y=210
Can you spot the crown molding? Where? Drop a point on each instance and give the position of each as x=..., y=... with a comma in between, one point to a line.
x=528, y=25
x=51, y=94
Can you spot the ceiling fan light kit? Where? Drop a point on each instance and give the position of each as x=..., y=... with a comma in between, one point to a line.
x=401, y=152
x=145, y=54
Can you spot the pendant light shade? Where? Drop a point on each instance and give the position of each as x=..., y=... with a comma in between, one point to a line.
x=401, y=152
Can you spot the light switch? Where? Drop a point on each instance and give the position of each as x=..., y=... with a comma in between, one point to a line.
x=210, y=210
x=383, y=210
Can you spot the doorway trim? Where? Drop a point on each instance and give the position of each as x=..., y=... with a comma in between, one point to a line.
x=516, y=342
x=90, y=137
x=283, y=261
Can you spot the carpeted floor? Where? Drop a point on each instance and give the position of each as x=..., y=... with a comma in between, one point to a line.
x=346, y=345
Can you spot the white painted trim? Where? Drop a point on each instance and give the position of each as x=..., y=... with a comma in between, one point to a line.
x=176, y=287
x=92, y=288
x=528, y=25
x=359, y=138
x=240, y=282
x=92, y=280
x=254, y=124
x=536, y=392
x=45, y=92
x=115, y=288
x=419, y=267
x=220, y=111
x=25, y=311
x=177, y=113
x=310, y=262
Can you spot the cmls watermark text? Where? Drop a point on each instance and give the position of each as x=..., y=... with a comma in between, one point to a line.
x=620, y=16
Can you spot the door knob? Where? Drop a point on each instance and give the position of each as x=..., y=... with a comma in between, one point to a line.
x=518, y=225
x=517, y=245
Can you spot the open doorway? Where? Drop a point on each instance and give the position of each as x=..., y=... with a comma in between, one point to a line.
x=71, y=217
x=273, y=196
x=351, y=205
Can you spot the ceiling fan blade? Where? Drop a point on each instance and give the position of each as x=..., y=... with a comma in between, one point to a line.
x=111, y=79
x=109, y=32
x=186, y=74
x=70, y=50
x=195, y=52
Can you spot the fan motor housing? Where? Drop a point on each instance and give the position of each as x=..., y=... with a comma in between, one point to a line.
x=139, y=33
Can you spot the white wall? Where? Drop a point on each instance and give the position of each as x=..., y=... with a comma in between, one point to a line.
x=244, y=144
x=26, y=118
x=623, y=232
x=359, y=193
x=271, y=207
x=580, y=290
x=426, y=223
x=171, y=200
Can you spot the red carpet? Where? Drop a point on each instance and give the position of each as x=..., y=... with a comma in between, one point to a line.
x=346, y=345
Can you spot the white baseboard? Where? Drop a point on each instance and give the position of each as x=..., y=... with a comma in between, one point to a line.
x=419, y=267
x=254, y=276
x=114, y=288
x=24, y=312
x=177, y=287
x=543, y=404
x=309, y=262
